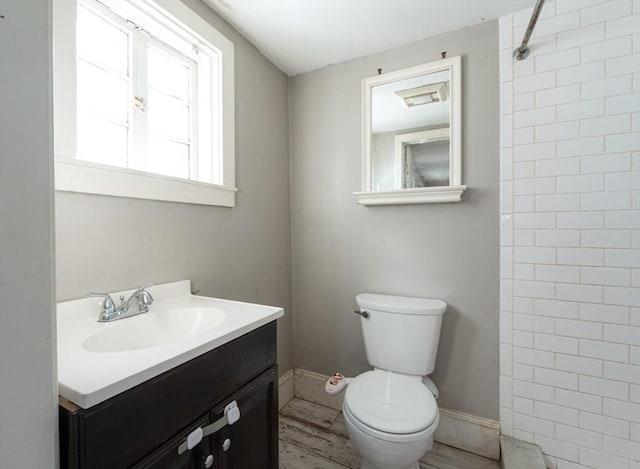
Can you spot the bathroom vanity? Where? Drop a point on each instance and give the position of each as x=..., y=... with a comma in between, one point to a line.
x=180, y=388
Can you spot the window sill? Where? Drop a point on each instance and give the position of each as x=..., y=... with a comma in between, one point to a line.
x=88, y=178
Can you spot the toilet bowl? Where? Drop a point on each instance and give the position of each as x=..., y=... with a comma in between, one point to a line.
x=390, y=414
x=390, y=418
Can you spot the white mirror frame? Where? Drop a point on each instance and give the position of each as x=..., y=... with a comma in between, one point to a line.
x=422, y=195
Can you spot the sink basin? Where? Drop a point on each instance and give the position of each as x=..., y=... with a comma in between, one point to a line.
x=154, y=329
x=97, y=360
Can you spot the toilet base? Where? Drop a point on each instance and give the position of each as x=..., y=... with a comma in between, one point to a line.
x=376, y=453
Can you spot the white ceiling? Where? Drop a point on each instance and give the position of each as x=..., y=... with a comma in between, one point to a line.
x=304, y=35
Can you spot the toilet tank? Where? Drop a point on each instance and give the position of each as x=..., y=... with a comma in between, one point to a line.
x=401, y=334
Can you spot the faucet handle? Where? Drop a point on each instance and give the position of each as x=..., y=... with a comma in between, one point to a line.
x=144, y=297
x=144, y=301
x=107, y=305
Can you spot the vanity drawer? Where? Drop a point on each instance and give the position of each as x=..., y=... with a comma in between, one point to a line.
x=118, y=432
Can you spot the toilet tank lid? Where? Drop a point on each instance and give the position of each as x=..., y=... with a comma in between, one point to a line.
x=401, y=304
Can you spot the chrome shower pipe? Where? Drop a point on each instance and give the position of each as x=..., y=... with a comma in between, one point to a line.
x=523, y=51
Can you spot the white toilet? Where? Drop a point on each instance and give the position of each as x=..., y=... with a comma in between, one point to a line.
x=389, y=412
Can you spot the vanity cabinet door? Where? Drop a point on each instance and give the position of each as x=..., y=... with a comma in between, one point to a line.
x=254, y=438
x=167, y=457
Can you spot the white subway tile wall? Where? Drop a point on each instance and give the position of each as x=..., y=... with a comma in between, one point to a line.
x=570, y=233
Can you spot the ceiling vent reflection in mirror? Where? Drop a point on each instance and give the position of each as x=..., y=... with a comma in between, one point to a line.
x=435, y=93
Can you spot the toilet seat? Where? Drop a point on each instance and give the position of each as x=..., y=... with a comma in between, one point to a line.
x=390, y=404
x=388, y=437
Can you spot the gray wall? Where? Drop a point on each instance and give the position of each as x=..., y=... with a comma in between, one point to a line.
x=28, y=397
x=244, y=253
x=447, y=251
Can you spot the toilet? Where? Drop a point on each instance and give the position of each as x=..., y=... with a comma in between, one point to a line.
x=391, y=412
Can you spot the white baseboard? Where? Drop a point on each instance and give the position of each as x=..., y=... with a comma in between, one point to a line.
x=310, y=387
x=468, y=432
x=285, y=389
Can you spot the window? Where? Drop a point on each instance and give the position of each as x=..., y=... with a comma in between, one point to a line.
x=142, y=92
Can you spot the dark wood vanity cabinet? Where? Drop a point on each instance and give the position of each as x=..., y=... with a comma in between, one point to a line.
x=143, y=427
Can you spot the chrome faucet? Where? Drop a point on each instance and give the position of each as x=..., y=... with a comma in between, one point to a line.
x=138, y=303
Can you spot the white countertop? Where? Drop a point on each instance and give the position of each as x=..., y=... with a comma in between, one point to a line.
x=87, y=378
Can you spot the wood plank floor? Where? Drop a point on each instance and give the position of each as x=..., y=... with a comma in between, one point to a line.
x=314, y=437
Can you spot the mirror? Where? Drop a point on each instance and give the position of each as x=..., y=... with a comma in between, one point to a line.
x=412, y=135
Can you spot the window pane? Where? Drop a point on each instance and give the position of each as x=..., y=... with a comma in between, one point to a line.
x=101, y=42
x=102, y=92
x=101, y=141
x=167, y=116
x=167, y=157
x=167, y=74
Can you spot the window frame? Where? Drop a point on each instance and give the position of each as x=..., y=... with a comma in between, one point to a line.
x=73, y=175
